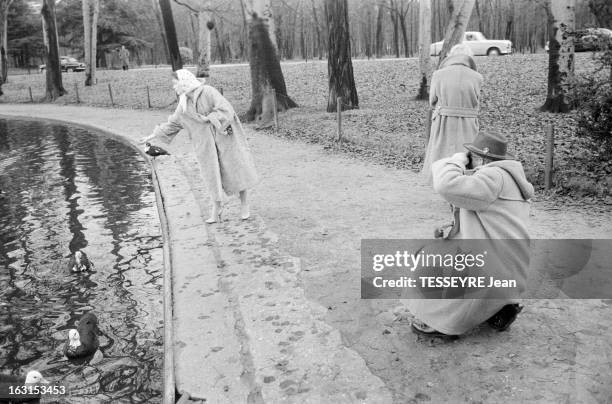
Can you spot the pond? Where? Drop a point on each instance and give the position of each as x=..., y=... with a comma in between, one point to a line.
x=63, y=188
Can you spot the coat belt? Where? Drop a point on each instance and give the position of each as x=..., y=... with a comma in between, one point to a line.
x=455, y=111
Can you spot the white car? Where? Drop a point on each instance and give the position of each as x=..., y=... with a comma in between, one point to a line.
x=480, y=45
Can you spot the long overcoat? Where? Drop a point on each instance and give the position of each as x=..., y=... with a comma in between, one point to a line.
x=223, y=154
x=455, y=97
x=493, y=204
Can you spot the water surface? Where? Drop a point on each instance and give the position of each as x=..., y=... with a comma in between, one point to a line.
x=62, y=189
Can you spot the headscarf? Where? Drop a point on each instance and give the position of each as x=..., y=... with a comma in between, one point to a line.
x=464, y=60
x=187, y=82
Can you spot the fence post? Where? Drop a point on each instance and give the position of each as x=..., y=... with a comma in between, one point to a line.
x=339, y=117
x=76, y=91
x=31, y=98
x=275, y=106
x=148, y=97
x=110, y=92
x=549, y=167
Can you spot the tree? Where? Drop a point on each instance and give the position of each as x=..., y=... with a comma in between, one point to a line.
x=266, y=72
x=204, y=26
x=318, y=30
x=560, y=55
x=602, y=10
x=339, y=64
x=379, y=33
x=90, y=39
x=4, y=6
x=173, y=47
x=424, y=44
x=456, y=26
x=55, y=88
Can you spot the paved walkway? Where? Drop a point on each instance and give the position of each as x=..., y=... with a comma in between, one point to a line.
x=282, y=318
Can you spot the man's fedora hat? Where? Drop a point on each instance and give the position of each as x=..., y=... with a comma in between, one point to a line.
x=492, y=145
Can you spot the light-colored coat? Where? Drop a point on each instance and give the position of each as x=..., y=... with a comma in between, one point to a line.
x=455, y=97
x=225, y=160
x=494, y=204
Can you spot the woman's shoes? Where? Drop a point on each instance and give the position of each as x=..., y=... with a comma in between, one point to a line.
x=245, y=213
x=215, y=216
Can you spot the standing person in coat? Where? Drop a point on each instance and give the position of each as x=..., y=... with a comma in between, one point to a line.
x=124, y=56
x=493, y=200
x=455, y=97
x=217, y=137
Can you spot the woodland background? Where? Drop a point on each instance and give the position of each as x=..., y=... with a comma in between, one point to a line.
x=378, y=28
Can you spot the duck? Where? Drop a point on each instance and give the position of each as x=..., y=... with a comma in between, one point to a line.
x=79, y=262
x=33, y=377
x=83, y=341
x=155, y=150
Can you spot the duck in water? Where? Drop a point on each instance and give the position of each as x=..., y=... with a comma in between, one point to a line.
x=83, y=341
x=32, y=378
x=155, y=150
x=79, y=262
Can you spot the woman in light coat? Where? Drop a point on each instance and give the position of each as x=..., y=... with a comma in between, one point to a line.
x=218, y=139
x=455, y=97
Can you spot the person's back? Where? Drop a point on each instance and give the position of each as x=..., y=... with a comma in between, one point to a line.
x=454, y=96
x=457, y=86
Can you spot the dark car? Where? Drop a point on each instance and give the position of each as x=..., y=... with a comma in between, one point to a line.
x=589, y=39
x=68, y=64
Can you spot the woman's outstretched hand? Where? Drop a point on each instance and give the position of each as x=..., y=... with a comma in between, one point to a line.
x=145, y=139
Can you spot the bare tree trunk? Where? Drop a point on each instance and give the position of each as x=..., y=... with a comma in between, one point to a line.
x=302, y=39
x=173, y=47
x=480, y=24
x=55, y=88
x=204, y=28
x=424, y=44
x=162, y=32
x=560, y=55
x=4, y=6
x=244, y=46
x=456, y=27
x=510, y=22
x=90, y=25
x=394, y=21
x=318, y=30
x=402, y=20
x=379, y=33
x=339, y=64
x=265, y=67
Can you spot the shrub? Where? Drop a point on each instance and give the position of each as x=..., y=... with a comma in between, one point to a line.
x=186, y=55
x=592, y=95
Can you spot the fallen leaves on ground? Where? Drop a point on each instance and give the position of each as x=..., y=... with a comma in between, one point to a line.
x=389, y=126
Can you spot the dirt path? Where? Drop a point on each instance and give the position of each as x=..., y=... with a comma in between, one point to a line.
x=322, y=205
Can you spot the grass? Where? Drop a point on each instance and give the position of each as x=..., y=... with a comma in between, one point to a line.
x=389, y=125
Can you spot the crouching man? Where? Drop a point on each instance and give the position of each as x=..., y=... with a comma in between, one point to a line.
x=491, y=197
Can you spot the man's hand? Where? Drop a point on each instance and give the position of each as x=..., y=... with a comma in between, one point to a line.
x=461, y=158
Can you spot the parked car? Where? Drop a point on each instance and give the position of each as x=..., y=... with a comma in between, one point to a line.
x=68, y=64
x=589, y=39
x=479, y=44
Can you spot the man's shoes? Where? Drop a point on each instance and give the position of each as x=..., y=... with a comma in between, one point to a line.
x=423, y=329
x=501, y=320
